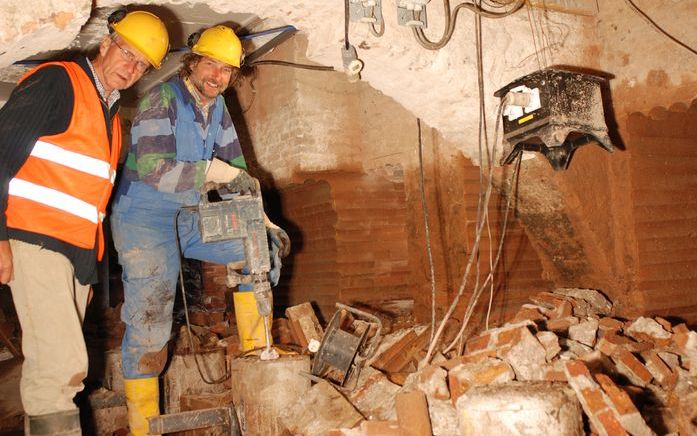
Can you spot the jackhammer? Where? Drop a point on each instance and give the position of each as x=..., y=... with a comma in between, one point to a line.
x=226, y=215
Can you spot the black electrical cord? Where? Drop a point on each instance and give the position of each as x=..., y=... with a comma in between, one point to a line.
x=655, y=25
x=291, y=64
x=451, y=20
x=186, y=309
x=346, y=24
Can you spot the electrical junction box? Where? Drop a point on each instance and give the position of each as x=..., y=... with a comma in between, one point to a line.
x=553, y=112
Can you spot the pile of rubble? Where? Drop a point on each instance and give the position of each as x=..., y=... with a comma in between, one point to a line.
x=563, y=365
x=529, y=376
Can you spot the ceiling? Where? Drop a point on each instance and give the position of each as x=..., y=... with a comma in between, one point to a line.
x=180, y=20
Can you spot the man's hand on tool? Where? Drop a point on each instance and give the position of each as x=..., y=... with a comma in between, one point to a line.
x=234, y=179
x=278, y=237
x=243, y=183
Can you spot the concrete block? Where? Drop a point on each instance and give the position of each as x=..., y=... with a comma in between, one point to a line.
x=524, y=408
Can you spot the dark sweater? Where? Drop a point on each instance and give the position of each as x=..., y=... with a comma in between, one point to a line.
x=42, y=105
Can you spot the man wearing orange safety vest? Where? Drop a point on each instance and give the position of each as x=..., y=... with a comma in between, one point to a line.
x=60, y=140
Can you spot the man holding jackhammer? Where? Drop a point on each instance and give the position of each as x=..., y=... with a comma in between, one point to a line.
x=60, y=140
x=182, y=138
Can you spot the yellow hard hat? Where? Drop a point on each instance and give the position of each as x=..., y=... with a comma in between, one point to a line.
x=144, y=32
x=221, y=44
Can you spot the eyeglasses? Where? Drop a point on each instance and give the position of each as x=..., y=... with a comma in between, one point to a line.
x=130, y=57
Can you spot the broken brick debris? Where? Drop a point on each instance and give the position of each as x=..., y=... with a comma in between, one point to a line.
x=304, y=325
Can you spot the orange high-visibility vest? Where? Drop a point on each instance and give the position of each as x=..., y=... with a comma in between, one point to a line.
x=63, y=188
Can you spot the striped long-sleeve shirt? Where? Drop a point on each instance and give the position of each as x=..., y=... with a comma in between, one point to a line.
x=152, y=157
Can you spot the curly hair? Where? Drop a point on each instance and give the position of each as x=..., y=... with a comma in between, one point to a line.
x=188, y=61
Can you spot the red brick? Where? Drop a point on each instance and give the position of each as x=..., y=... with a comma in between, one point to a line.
x=664, y=323
x=563, y=310
x=477, y=344
x=610, y=324
x=561, y=324
x=659, y=369
x=619, y=398
x=610, y=424
x=681, y=328
x=508, y=337
x=634, y=366
x=577, y=368
x=594, y=400
x=529, y=314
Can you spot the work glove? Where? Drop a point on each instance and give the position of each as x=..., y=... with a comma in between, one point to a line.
x=234, y=179
x=243, y=183
x=278, y=237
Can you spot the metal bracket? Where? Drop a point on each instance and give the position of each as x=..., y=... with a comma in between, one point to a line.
x=412, y=13
x=366, y=11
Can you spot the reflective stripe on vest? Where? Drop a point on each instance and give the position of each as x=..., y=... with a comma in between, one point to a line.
x=76, y=161
x=53, y=198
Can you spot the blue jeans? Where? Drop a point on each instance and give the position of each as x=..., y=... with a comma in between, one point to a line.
x=143, y=230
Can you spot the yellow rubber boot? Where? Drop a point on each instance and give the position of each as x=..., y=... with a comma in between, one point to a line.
x=143, y=401
x=250, y=326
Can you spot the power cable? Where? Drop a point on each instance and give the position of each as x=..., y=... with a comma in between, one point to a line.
x=346, y=24
x=655, y=25
x=292, y=64
x=194, y=351
x=490, y=277
x=451, y=20
x=424, y=206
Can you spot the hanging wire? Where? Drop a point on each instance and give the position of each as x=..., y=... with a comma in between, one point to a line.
x=534, y=39
x=483, y=203
x=424, y=206
x=346, y=24
x=451, y=20
x=490, y=277
x=655, y=25
x=373, y=30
